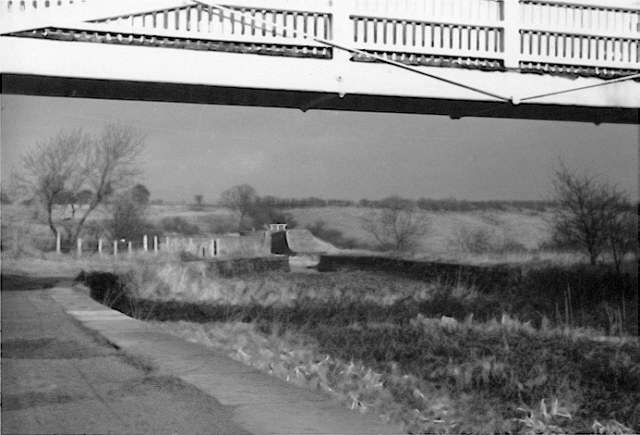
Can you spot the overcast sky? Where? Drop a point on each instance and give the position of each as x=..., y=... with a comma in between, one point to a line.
x=205, y=149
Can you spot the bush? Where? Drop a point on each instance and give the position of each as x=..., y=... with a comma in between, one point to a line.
x=129, y=220
x=179, y=225
x=475, y=240
x=213, y=224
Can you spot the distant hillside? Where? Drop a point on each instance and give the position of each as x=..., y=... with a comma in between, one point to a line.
x=526, y=229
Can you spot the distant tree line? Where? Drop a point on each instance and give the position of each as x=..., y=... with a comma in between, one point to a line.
x=446, y=204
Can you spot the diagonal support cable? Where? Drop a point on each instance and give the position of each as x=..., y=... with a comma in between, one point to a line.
x=565, y=91
x=354, y=50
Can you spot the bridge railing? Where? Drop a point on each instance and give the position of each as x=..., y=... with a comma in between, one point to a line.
x=543, y=35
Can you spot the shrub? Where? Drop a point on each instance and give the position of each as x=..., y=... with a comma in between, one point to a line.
x=179, y=225
x=475, y=240
x=129, y=220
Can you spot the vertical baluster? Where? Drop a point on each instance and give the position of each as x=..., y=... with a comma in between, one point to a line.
x=455, y=37
x=491, y=43
x=302, y=24
x=232, y=23
x=193, y=22
x=428, y=35
x=552, y=42
x=274, y=22
x=175, y=14
x=464, y=38
x=397, y=32
x=369, y=29
x=358, y=32
x=414, y=34
x=242, y=22
x=254, y=26
x=483, y=39
x=473, y=38
x=285, y=23
x=326, y=26
x=584, y=47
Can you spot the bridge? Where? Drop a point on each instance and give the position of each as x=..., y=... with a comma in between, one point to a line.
x=576, y=60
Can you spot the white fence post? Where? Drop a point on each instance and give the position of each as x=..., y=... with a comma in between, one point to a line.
x=144, y=243
x=166, y=243
x=131, y=248
x=100, y=246
x=58, y=244
x=155, y=244
x=115, y=249
x=212, y=249
x=79, y=252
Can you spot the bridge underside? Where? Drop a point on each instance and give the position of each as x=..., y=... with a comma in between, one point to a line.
x=24, y=84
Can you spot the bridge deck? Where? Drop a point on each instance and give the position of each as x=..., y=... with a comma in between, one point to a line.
x=577, y=59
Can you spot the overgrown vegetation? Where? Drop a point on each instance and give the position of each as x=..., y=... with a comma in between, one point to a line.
x=440, y=357
x=398, y=227
x=593, y=215
x=74, y=167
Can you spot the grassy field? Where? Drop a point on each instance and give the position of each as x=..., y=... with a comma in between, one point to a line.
x=438, y=358
x=558, y=353
x=520, y=232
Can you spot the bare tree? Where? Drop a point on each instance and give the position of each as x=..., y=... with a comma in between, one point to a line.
x=398, y=226
x=75, y=161
x=53, y=167
x=591, y=213
x=241, y=200
x=198, y=198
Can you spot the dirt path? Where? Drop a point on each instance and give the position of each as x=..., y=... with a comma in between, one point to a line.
x=57, y=378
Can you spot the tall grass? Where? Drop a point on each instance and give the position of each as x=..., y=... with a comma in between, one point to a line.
x=437, y=357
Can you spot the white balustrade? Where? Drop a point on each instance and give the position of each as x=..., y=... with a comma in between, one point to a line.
x=574, y=33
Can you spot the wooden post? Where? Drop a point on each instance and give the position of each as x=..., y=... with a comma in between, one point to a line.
x=212, y=248
x=79, y=253
x=155, y=244
x=144, y=243
x=166, y=243
x=58, y=244
x=115, y=249
x=100, y=246
x=216, y=247
x=131, y=248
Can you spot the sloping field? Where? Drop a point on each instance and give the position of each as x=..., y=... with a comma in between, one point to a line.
x=527, y=228
x=303, y=242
